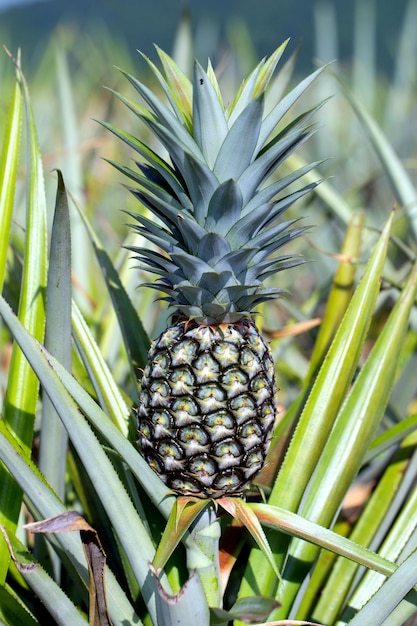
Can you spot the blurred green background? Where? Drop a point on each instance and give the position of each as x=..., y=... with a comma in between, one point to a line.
x=140, y=23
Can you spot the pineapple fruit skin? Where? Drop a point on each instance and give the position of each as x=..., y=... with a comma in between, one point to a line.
x=207, y=407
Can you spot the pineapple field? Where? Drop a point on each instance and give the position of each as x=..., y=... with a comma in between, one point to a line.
x=208, y=333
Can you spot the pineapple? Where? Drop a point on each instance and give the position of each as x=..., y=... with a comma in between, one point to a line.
x=208, y=398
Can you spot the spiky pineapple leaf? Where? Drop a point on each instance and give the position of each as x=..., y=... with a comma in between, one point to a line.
x=151, y=186
x=267, y=69
x=298, y=526
x=213, y=248
x=242, y=513
x=266, y=194
x=227, y=195
x=213, y=79
x=171, y=132
x=251, y=227
x=353, y=429
x=229, y=163
x=326, y=192
x=269, y=161
x=181, y=88
x=280, y=82
x=255, y=83
x=209, y=122
x=183, y=514
x=280, y=234
x=275, y=116
x=23, y=387
x=107, y=483
x=201, y=184
x=161, y=166
x=9, y=160
x=177, y=100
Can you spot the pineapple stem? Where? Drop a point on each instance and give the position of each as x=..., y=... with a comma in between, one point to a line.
x=203, y=554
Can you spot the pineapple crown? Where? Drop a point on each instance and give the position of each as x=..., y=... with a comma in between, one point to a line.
x=218, y=210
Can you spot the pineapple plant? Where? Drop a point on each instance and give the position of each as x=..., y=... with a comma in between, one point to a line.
x=208, y=397
x=344, y=426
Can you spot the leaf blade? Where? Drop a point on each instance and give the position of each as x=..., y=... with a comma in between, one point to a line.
x=9, y=159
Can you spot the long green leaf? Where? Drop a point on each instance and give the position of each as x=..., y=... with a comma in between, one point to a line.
x=332, y=383
x=9, y=159
x=101, y=377
x=319, y=413
x=350, y=437
x=389, y=595
x=374, y=517
x=179, y=521
x=293, y=524
x=43, y=504
x=134, y=336
x=150, y=482
x=337, y=302
x=391, y=437
x=54, y=439
x=341, y=291
x=22, y=388
x=12, y=612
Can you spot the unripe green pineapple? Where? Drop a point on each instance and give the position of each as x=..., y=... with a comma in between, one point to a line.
x=207, y=407
x=208, y=398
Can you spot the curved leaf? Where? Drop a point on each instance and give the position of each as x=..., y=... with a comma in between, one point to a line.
x=23, y=387
x=104, y=477
x=60, y=608
x=44, y=503
x=209, y=122
x=9, y=159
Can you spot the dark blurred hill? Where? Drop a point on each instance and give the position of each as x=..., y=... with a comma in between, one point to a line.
x=140, y=23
